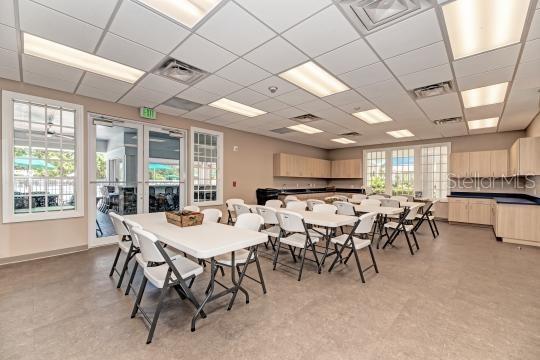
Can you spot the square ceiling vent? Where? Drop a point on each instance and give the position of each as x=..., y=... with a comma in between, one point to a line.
x=181, y=72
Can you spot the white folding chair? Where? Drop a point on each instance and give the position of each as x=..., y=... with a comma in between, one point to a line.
x=399, y=198
x=164, y=273
x=192, y=208
x=290, y=198
x=271, y=224
x=240, y=209
x=345, y=208
x=312, y=202
x=211, y=215
x=276, y=204
x=341, y=198
x=296, y=205
x=358, y=197
x=371, y=202
x=295, y=234
x=125, y=245
x=230, y=209
x=404, y=225
x=361, y=228
x=428, y=215
x=376, y=196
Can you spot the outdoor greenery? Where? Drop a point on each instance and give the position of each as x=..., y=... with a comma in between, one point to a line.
x=45, y=163
x=377, y=184
x=101, y=166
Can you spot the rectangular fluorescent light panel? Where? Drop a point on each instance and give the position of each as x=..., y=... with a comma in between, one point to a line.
x=187, y=12
x=400, y=133
x=313, y=78
x=487, y=95
x=344, y=141
x=483, y=123
x=49, y=50
x=305, y=129
x=237, y=108
x=373, y=116
x=476, y=26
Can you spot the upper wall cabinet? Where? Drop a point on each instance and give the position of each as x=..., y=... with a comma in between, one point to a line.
x=289, y=165
x=525, y=157
x=347, y=169
x=459, y=164
x=479, y=164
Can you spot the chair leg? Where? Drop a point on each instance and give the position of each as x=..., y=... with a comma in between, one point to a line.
x=358, y=264
x=133, y=272
x=124, y=268
x=213, y=277
x=277, y=254
x=373, y=259
x=259, y=270
x=409, y=242
x=292, y=253
x=302, y=263
x=348, y=257
x=319, y=266
x=431, y=228
x=436, y=228
x=415, y=241
x=114, y=262
x=156, y=314
x=139, y=297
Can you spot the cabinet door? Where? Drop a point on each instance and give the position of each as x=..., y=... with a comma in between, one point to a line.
x=459, y=164
x=480, y=164
x=529, y=161
x=458, y=210
x=479, y=212
x=499, y=163
x=514, y=158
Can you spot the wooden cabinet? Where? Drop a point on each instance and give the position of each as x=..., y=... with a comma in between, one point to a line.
x=289, y=165
x=524, y=156
x=459, y=165
x=458, y=210
x=347, y=169
x=499, y=163
x=471, y=211
x=480, y=164
x=518, y=223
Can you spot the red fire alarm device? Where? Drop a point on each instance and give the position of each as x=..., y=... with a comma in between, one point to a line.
x=234, y=183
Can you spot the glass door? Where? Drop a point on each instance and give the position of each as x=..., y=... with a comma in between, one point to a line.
x=165, y=170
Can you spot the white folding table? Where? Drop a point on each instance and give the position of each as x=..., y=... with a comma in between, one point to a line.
x=205, y=241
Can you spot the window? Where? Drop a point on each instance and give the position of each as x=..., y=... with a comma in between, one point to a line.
x=435, y=171
x=403, y=171
x=42, y=143
x=207, y=167
x=376, y=170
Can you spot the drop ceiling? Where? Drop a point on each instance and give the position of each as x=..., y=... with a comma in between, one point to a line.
x=245, y=44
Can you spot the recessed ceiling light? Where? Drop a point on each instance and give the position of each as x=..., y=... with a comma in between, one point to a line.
x=187, y=12
x=400, y=133
x=313, y=78
x=476, y=26
x=305, y=129
x=344, y=141
x=373, y=116
x=235, y=107
x=49, y=50
x=486, y=95
x=483, y=123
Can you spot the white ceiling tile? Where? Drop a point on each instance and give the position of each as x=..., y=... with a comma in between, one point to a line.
x=528, y=75
x=162, y=84
x=348, y=57
x=534, y=31
x=102, y=94
x=204, y=113
x=366, y=75
x=95, y=12
x=328, y=126
x=102, y=87
x=344, y=97
x=360, y=105
x=243, y=72
x=247, y=97
x=9, y=65
x=7, y=15
x=270, y=105
x=484, y=112
x=314, y=105
x=198, y=96
x=135, y=101
x=491, y=60
x=412, y=33
x=152, y=96
x=282, y=86
x=270, y=122
x=129, y=53
x=341, y=118
x=9, y=73
x=161, y=34
x=531, y=51
x=426, y=77
x=388, y=89
x=52, y=25
x=203, y=54
x=224, y=120
x=322, y=32
x=276, y=56
x=216, y=85
x=235, y=29
x=282, y=14
x=58, y=83
x=51, y=69
x=441, y=107
x=486, y=78
x=289, y=112
x=8, y=38
x=520, y=110
x=296, y=97
x=169, y=110
x=419, y=59
x=450, y=130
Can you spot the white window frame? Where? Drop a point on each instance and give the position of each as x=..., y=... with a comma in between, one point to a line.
x=219, y=187
x=418, y=171
x=8, y=213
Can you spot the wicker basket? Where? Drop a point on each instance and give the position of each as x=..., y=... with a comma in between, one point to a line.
x=184, y=218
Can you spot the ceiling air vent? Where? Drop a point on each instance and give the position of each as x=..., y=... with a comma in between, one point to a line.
x=374, y=13
x=182, y=72
x=282, y=130
x=182, y=104
x=433, y=90
x=453, y=120
x=305, y=118
x=351, y=133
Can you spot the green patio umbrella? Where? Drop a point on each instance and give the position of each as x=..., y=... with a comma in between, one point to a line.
x=36, y=163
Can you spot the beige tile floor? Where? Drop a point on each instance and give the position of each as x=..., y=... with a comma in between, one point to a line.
x=463, y=296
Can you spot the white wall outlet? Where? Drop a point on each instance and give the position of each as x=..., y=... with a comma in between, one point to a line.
x=235, y=148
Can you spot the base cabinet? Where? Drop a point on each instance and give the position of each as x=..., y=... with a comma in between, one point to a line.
x=470, y=211
x=458, y=210
x=518, y=223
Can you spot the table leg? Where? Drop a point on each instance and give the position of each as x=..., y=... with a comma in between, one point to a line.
x=327, y=239
x=213, y=267
x=238, y=285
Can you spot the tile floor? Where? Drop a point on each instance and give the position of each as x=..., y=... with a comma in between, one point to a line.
x=463, y=296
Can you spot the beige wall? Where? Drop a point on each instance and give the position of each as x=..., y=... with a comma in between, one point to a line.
x=251, y=167
x=534, y=127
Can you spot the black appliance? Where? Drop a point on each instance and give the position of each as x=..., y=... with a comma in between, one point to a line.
x=266, y=194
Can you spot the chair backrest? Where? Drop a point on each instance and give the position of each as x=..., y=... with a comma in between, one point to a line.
x=412, y=213
x=211, y=215
x=241, y=209
x=358, y=197
x=148, y=247
x=191, y=208
x=341, y=197
x=400, y=198
x=345, y=208
x=131, y=225
x=296, y=205
x=268, y=214
x=389, y=203
x=312, y=202
x=366, y=223
x=231, y=202
x=325, y=208
x=276, y=204
x=367, y=189
x=249, y=221
x=371, y=202
x=290, y=221
x=377, y=196
x=118, y=224
x=290, y=198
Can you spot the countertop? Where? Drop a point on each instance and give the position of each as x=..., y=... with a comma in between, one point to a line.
x=320, y=190
x=500, y=198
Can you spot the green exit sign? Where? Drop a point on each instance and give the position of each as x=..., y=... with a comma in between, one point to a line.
x=147, y=113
